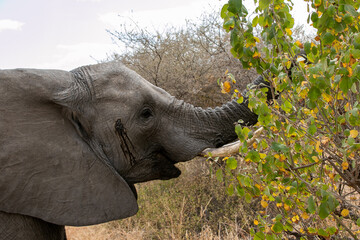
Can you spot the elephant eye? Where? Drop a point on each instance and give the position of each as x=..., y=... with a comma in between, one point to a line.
x=146, y=113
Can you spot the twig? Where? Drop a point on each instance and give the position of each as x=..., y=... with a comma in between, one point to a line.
x=231, y=148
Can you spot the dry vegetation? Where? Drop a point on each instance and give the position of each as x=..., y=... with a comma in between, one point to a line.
x=186, y=62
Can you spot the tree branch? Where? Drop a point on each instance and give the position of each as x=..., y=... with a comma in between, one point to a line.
x=231, y=148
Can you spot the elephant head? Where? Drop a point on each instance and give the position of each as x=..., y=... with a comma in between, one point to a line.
x=73, y=144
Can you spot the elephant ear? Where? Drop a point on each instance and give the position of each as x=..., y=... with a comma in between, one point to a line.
x=46, y=169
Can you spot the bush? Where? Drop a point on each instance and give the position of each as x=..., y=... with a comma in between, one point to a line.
x=305, y=171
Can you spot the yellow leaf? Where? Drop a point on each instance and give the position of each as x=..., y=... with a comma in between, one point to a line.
x=255, y=145
x=345, y=165
x=226, y=87
x=264, y=204
x=354, y=133
x=338, y=19
x=344, y=212
x=339, y=96
x=350, y=71
x=288, y=64
x=286, y=207
x=256, y=55
x=318, y=147
x=315, y=158
x=262, y=155
x=295, y=218
x=257, y=39
x=256, y=222
x=304, y=215
x=288, y=31
x=279, y=204
x=299, y=44
x=326, y=97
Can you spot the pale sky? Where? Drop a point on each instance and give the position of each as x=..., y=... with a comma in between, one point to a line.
x=65, y=34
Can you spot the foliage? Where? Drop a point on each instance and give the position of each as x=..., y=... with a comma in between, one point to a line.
x=305, y=171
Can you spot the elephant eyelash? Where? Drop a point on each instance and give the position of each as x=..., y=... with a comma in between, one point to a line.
x=146, y=113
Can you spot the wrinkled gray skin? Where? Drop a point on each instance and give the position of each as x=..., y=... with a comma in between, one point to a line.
x=73, y=144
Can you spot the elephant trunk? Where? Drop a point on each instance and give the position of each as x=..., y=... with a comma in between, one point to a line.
x=217, y=125
x=197, y=128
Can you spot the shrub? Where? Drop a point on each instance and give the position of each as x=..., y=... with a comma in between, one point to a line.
x=305, y=171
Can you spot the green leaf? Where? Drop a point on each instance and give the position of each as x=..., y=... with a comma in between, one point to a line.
x=311, y=205
x=230, y=190
x=324, y=210
x=224, y=11
x=239, y=132
x=355, y=53
x=264, y=4
x=259, y=236
x=278, y=227
x=314, y=93
x=248, y=197
x=327, y=38
x=286, y=106
x=231, y=163
x=229, y=25
x=331, y=10
x=348, y=18
x=255, y=21
x=331, y=230
x=323, y=233
x=314, y=17
x=307, y=47
x=235, y=6
x=271, y=237
x=240, y=191
x=345, y=84
x=279, y=147
x=254, y=156
x=219, y=175
x=358, y=222
x=312, y=129
x=350, y=9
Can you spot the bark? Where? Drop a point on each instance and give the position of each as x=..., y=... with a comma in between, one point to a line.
x=231, y=148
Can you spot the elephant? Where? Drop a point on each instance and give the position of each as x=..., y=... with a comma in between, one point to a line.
x=74, y=143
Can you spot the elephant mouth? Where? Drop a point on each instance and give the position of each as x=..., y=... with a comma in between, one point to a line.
x=157, y=166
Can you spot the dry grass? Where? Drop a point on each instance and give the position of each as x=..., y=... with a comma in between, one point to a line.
x=194, y=206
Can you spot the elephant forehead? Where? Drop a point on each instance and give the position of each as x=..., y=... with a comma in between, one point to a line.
x=122, y=87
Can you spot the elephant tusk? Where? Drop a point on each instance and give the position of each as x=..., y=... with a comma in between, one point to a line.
x=231, y=148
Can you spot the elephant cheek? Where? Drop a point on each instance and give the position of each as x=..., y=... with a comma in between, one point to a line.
x=151, y=170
